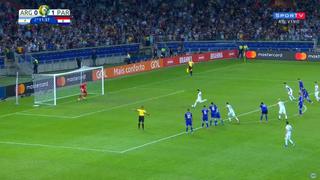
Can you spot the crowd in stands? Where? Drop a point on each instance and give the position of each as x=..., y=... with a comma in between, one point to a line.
x=111, y=22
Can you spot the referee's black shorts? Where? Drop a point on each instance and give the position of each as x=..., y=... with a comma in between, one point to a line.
x=190, y=68
x=141, y=119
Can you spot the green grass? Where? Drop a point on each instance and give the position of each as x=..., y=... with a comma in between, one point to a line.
x=98, y=138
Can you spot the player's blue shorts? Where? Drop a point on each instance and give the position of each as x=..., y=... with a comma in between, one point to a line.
x=205, y=118
x=217, y=115
x=300, y=106
x=188, y=122
x=212, y=115
x=264, y=112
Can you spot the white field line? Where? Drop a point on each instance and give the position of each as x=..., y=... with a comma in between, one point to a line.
x=249, y=79
x=43, y=115
x=24, y=112
x=156, y=141
x=155, y=88
x=294, y=115
x=121, y=90
x=57, y=146
x=9, y=114
x=105, y=150
x=181, y=133
x=102, y=110
x=37, y=108
x=129, y=104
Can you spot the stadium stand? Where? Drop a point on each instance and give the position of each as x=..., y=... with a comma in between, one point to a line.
x=119, y=50
x=107, y=22
x=184, y=26
x=1, y=62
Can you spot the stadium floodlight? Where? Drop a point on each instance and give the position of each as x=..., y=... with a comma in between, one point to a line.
x=48, y=88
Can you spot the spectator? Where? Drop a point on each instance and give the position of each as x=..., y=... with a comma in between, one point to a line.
x=35, y=66
x=78, y=62
x=163, y=52
x=128, y=58
x=103, y=22
x=94, y=57
x=170, y=52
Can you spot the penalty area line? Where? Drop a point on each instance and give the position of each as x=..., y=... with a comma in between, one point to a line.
x=50, y=146
x=258, y=122
x=120, y=90
x=129, y=104
x=57, y=146
x=153, y=142
x=173, y=136
x=44, y=115
x=22, y=113
x=181, y=133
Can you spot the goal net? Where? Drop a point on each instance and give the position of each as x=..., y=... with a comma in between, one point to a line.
x=48, y=88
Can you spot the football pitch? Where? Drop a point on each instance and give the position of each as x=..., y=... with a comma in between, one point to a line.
x=98, y=138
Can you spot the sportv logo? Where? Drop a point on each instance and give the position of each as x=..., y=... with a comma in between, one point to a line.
x=289, y=15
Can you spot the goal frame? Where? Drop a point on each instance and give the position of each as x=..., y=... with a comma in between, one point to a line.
x=54, y=77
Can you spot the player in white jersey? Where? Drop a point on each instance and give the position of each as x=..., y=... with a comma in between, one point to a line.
x=316, y=91
x=282, y=109
x=290, y=92
x=199, y=99
x=287, y=137
x=231, y=113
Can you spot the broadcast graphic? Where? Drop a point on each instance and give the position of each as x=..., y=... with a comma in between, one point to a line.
x=289, y=17
x=44, y=15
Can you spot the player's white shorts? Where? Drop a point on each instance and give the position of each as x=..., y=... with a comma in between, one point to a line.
x=288, y=136
x=231, y=114
x=199, y=100
x=290, y=93
x=282, y=111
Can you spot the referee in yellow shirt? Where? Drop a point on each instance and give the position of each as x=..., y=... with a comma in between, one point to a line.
x=142, y=112
x=190, y=66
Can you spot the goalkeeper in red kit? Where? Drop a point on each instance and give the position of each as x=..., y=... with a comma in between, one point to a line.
x=83, y=91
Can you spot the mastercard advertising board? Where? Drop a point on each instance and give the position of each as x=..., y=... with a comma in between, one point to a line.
x=283, y=55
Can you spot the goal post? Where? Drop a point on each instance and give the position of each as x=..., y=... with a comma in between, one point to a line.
x=49, y=88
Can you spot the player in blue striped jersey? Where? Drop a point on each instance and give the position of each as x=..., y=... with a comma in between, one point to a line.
x=300, y=104
x=301, y=86
x=215, y=114
x=205, y=113
x=188, y=119
x=306, y=95
x=264, y=111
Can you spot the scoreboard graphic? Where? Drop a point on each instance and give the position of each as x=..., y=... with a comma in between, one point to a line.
x=44, y=15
